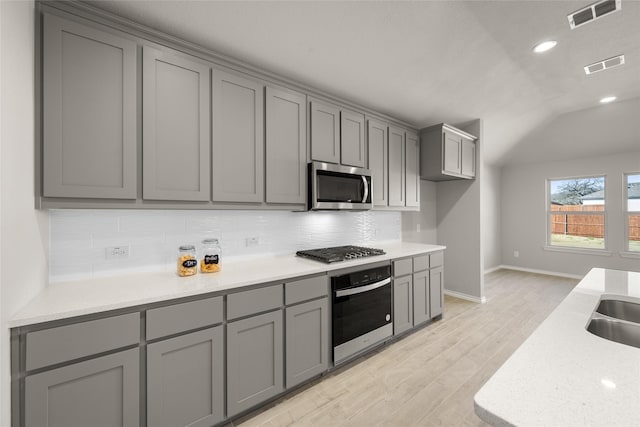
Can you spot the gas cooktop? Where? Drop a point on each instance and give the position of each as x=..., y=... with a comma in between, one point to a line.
x=339, y=253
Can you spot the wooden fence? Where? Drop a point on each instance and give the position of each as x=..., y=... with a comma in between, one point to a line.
x=586, y=225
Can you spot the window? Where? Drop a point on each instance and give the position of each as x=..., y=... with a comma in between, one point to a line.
x=633, y=211
x=576, y=212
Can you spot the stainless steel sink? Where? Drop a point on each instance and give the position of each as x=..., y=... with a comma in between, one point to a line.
x=615, y=330
x=618, y=309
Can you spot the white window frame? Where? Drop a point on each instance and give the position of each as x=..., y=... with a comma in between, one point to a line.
x=549, y=225
x=628, y=253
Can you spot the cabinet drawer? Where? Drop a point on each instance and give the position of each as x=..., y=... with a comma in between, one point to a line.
x=402, y=267
x=306, y=289
x=420, y=263
x=69, y=342
x=183, y=317
x=254, y=301
x=437, y=259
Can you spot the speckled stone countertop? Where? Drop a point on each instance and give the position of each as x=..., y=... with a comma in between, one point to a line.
x=76, y=298
x=563, y=375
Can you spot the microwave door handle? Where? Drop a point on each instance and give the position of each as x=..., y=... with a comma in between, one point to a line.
x=361, y=289
x=366, y=189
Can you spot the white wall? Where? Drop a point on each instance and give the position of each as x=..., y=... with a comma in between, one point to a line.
x=524, y=213
x=459, y=228
x=425, y=219
x=24, y=231
x=491, y=216
x=79, y=237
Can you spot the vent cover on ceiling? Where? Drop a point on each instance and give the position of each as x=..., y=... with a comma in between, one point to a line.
x=604, y=65
x=593, y=12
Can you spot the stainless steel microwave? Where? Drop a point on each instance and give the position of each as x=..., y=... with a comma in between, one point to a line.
x=337, y=187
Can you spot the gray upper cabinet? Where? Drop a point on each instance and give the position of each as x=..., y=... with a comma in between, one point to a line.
x=352, y=142
x=325, y=132
x=378, y=162
x=307, y=343
x=396, y=167
x=89, y=112
x=97, y=392
x=412, y=172
x=185, y=380
x=254, y=361
x=447, y=153
x=238, y=139
x=286, y=146
x=176, y=125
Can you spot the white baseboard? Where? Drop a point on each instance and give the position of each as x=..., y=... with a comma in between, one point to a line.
x=465, y=296
x=535, y=270
x=492, y=269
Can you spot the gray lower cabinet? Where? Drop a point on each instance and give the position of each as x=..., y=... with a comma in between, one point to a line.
x=436, y=281
x=286, y=146
x=176, y=126
x=254, y=361
x=185, y=380
x=352, y=142
x=98, y=392
x=396, y=167
x=325, y=132
x=89, y=112
x=237, y=151
x=378, y=162
x=402, y=304
x=307, y=341
x=421, y=297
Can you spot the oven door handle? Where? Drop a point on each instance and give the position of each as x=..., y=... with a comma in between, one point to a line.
x=361, y=289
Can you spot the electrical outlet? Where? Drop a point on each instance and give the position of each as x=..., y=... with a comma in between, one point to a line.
x=117, y=252
x=516, y=254
x=252, y=241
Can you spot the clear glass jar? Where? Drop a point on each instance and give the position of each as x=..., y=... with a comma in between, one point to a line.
x=210, y=256
x=187, y=261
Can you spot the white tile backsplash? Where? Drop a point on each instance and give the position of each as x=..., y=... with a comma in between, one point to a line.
x=78, y=238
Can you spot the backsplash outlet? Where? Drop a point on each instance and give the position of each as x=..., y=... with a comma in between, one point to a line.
x=79, y=238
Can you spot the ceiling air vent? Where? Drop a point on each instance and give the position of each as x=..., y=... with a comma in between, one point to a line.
x=593, y=12
x=604, y=65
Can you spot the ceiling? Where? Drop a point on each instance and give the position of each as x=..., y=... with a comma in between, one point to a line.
x=428, y=62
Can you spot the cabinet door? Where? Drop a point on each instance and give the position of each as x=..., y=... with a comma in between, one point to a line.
x=396, y=167
x=238, y=139
x=176, y=123
x=436, y=297
x=185, y=380
x=254, y=361
x=98, y=392
x=451, y=152
x=412, y=173
x=468, y=161
x=421, y=303
x=402, y=304
x=378, y=162
x=89, y=112
x=325, y=132
x=307, y=341
x=286, y=146
x=352, y=142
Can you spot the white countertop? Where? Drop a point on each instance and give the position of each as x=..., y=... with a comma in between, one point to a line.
x=76, y=298
x=563, y=375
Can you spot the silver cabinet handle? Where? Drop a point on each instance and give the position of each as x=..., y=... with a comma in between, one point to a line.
x=361, y=289
x=366, y=189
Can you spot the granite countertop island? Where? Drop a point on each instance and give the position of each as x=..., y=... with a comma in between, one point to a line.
x=563, y=375
x=76, y=298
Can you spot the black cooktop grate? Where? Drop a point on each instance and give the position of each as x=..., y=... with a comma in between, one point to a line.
x=339, y=253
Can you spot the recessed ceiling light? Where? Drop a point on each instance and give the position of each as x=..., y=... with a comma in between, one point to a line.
x=545, y=46
x=608, y=99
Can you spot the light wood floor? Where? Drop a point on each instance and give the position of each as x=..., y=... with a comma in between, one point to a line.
x=428, y=378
